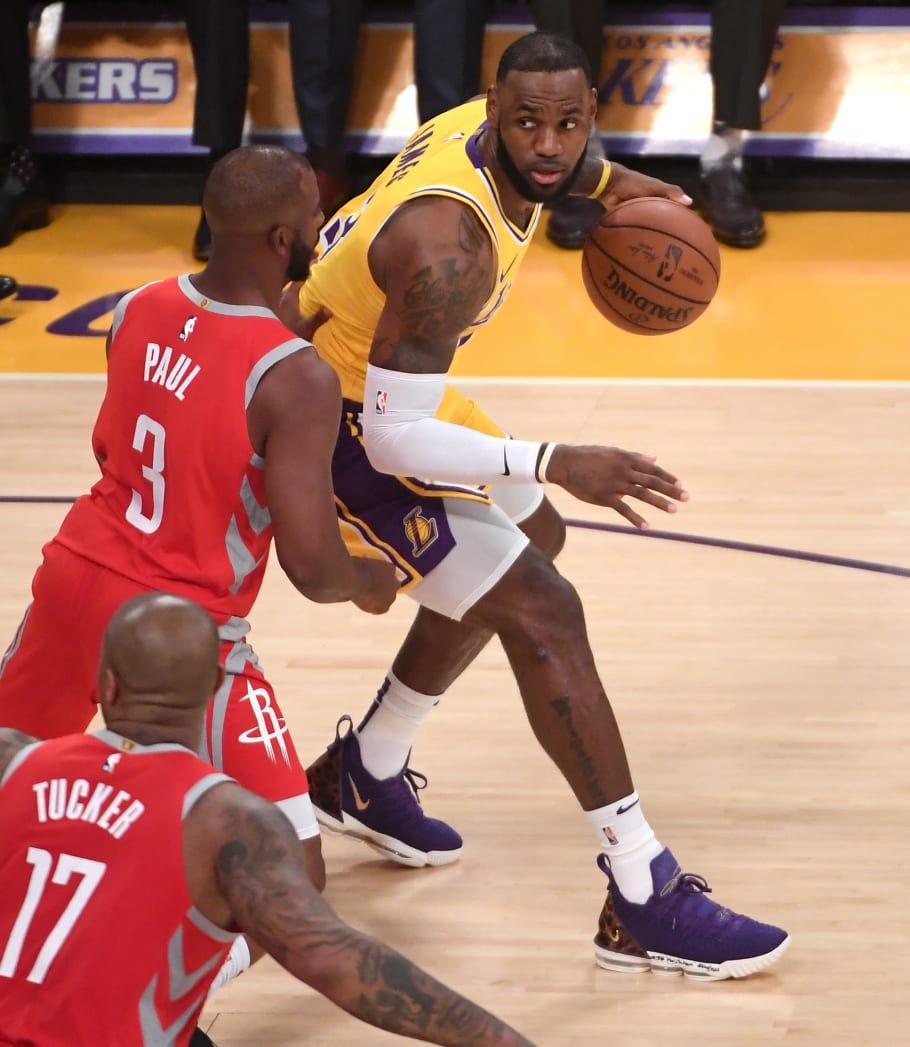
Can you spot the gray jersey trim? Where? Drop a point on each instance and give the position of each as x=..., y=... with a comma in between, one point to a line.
x=120, y=308
x=239, y=656
x=115, y=741
x=272, y=357
x=199, y=790
x=16, y=761
x=221, y=308
x=205, y=924
x=234, y=629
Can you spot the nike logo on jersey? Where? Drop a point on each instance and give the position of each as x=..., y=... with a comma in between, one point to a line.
x=505, y=463
x=359, y=802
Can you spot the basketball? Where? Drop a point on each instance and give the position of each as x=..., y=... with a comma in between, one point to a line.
x=651, y=266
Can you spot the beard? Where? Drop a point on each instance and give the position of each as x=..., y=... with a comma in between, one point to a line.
x=535, y=193
x=299, y=261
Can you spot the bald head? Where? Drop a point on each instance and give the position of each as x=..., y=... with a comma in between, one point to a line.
x=255, y=188
x=160, y=652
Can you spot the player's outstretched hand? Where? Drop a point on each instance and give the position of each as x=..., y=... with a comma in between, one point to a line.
x=626, y=184
x=289, y=313
x=607, y=475
x=380, y=585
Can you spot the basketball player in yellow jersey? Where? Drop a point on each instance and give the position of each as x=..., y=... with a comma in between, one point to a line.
x=421, y=476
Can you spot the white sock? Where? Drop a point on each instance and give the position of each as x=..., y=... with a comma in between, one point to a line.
x=388, y=730
x=724, y=146
x=238, y=961
x=629, y=843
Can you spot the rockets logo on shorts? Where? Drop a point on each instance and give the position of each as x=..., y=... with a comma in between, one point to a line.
x=269, y=726
x=382, y=400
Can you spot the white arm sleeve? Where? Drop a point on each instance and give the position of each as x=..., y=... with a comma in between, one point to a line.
x=402, y=436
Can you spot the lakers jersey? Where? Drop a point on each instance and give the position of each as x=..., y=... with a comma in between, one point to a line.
x=441, y=159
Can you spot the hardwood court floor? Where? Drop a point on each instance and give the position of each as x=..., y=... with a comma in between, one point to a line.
x=763, y=697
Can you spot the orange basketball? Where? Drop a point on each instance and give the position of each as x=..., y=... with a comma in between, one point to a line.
x=651, y=266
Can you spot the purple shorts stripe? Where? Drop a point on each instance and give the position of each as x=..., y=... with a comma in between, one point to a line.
x=389, y=512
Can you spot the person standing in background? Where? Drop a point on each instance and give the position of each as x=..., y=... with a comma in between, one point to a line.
x=743, y=34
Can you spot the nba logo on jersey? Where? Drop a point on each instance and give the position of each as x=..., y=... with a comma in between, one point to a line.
x=188, y=328
x=382, y=400
x=110, y=763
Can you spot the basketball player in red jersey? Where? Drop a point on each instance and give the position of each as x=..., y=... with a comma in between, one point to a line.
x=409, y=271
x=215, y=435
x=91, y=823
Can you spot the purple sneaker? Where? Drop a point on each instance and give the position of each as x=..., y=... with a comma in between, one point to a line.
x=679, y=930
x=383, y=813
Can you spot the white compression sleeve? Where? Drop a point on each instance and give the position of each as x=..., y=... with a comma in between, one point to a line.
x=403, y=437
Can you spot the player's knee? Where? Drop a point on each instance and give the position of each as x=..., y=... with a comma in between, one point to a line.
x=548, y=610
x=546, y=529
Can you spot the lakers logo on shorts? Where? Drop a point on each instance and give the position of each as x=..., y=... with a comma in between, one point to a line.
x=421, y=530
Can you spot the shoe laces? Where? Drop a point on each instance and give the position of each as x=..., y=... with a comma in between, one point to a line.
x=416, y=780
x=689, y=883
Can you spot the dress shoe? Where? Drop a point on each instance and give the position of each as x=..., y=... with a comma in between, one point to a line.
x=23, y=205
x=572, y=219
x=730, y=208
x=8, y=286
x=202, y=241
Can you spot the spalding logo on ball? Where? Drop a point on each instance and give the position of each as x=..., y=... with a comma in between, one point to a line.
x=651, y=266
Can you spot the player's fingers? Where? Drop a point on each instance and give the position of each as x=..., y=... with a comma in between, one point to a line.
x=643, y=494
x=629, y=514
x=671, y=489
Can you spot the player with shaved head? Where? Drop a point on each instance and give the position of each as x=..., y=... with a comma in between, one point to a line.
x=215, y=436
x=124, y=852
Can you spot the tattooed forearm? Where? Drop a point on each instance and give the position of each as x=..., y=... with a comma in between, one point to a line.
x=261, y=873
x=400, y=997
x=584, y=761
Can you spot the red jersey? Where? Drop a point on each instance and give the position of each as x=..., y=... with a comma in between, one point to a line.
x=101, y=943
x=180, y=505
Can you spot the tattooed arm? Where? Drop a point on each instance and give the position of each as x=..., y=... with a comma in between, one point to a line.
x=10, y=743
x=434, y=262
x=259, y=881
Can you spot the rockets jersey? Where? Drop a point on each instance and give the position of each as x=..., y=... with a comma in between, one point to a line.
x=441, y=159
x=180, y=505
x=101, y=943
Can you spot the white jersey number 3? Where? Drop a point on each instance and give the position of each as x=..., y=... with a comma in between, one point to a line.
x=148, y=428
x=41, y=862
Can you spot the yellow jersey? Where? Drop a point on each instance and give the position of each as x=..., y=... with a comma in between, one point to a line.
x=440, y=159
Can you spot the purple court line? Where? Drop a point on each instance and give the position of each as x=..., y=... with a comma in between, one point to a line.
x=591, y=525
x=746, y=547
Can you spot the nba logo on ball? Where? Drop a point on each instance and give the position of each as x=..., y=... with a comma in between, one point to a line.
x=651, y=266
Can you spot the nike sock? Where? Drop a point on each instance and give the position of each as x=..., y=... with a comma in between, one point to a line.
x=724, y=146
x=388, y=730
x=237, y=961
x=629, y=843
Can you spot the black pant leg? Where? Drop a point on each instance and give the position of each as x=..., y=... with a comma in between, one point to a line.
x=448, y=45
x=742, y=39
x=15, y=87
x=219, y=34
x=323, y=41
